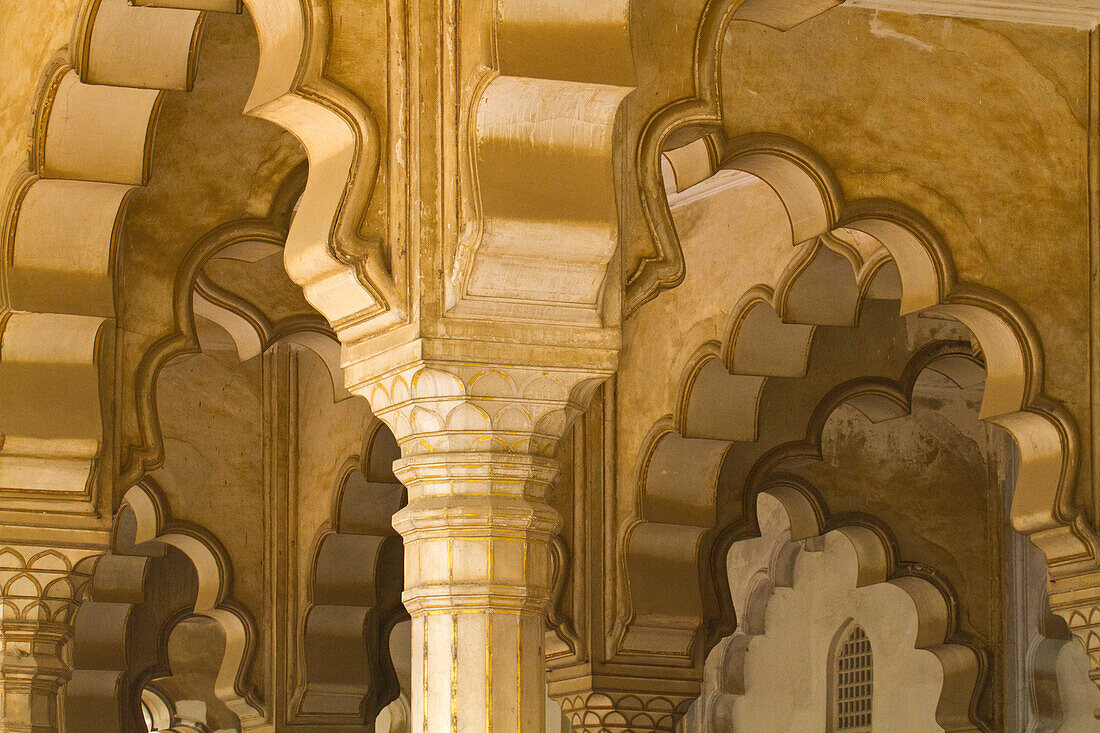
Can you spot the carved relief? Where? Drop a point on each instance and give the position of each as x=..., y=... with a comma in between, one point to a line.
x=40, y=589
x=1084, y=623
x=876, y=252
x=600, y=712
x=470, y=408
x=157, y=571
x=42, y=584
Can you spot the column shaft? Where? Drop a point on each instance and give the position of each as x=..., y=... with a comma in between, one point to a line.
x=31, y=675
x=477, y=577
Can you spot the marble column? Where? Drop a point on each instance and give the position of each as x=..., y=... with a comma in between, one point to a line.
x=477, y=458
x=39, y=591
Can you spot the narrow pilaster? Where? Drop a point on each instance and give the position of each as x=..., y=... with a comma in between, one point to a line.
x=31, y=674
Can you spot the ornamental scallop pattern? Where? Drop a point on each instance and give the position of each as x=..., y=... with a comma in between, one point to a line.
x=599, y=713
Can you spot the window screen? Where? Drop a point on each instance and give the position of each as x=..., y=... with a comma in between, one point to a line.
x=853, y=670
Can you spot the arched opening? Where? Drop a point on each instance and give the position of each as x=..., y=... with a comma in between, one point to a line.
x=349, y=674
x=865, y=313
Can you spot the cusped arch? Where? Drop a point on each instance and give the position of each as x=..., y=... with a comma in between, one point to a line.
x=158, y=571
x=694, y=117
x=92, y=132
x=777, y=553
x=883, y=263
x=252, y=332
x=348, y=675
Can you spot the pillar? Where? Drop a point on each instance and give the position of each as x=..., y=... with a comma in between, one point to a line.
x=39, y=590
x=477, y=458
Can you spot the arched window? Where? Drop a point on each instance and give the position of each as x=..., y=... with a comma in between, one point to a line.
x=852, y=677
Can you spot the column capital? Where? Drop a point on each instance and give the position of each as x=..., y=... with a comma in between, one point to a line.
x=41, y=589
x=608, y=712
x=1076, y=600
x=436, y=406
x=478, y=440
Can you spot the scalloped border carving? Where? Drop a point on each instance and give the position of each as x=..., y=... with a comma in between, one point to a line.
x=771, y=334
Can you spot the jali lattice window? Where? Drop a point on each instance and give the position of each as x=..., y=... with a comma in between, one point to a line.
x=853, y=680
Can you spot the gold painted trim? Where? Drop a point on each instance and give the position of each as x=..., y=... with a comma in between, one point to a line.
x=193, y=50
x=56, y=72
x=150, y=133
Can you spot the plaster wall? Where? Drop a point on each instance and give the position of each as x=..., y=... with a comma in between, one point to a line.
x=979, y=126
x=210, y=411
x=30, y=34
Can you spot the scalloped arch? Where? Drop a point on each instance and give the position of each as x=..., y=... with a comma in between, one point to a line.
x=93, y=126
x=136, y=597
x=829, y=284
x=348, y=676
x=253, y=333
x=875, y=566
x=697, y=116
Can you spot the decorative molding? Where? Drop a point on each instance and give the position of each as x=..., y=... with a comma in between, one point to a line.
x=1076, y=599
x=829, y=282
x=157, y=571
x=459, y=408
x=1079, y=14
x=477, y=445
x=43, y=584
x=600, y=712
